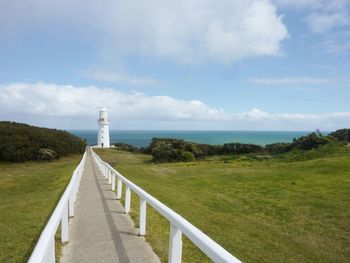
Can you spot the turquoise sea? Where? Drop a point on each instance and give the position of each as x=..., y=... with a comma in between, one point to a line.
x=143, y=138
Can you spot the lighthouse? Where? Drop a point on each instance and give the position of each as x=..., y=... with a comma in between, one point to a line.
x=103, y=131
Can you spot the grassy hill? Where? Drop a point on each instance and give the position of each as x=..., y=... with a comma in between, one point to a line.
x=29, y=192
x=20, y=142
x=290, y=208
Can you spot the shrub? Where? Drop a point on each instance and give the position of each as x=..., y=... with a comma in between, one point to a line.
x=310, y=141
x=46, y=155
x=170, y=150
x=240, y=148
x=21, y=142
x=342, y=135
x=163, y=151
x=187, y=156
x=193, y=149
x=278, y=148
x=208, y=150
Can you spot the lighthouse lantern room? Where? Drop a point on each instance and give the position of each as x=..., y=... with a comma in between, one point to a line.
x=103, y=131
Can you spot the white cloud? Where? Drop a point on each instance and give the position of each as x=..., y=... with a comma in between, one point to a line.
x=256, y=31
x=337, y=43
x=324, y=22
x=259, y=115
x=115, y=77
x=185, y=30
x=291, y=81
x=297, y=3
x=42, y=101
x=324, y=14
x=70, y=101
x=253, y=115
x=327, y=5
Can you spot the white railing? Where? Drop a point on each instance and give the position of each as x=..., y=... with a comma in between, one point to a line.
x=178, y=224
x=44, y=250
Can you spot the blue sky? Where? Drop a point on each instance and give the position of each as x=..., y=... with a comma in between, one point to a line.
x=214, y=64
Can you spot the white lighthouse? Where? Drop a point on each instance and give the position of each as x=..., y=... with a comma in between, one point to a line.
x=103, y=131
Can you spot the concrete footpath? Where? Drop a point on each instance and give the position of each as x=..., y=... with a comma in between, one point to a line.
x=100, y=231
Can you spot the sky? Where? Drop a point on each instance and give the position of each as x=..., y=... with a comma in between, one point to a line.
x=176, y=65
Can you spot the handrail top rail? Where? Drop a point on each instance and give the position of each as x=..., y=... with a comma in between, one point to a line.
x=212, y=249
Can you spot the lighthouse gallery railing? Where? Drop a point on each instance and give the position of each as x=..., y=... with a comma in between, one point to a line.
x=44, y=250
x=178, y=225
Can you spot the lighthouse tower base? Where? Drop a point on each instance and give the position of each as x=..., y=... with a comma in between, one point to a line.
x=103, y=131
x=103, y=137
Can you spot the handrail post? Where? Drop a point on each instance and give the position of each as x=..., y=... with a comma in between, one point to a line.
x=127, y=200
x=77, y=183
x=113, y=181
x=74, y=190
x=175, y=245
x=143, y=207
x=109, y=176
x=119, y=188
x=71, y=205
x=64, y=224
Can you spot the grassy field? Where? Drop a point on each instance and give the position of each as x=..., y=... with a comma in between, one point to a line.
x=283, y=210
x=28, y=194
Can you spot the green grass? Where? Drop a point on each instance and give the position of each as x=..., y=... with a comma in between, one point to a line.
x=259, y=210
x=28, y=194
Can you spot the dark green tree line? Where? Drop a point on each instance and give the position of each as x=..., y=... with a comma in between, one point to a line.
x=21, y=142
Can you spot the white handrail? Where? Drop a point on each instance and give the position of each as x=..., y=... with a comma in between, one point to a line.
x=178, y=224
x=44, y=250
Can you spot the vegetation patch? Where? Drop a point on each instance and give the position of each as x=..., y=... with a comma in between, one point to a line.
x=285, y=208
x=29, y=193
x=176, y=150
x=21, y=142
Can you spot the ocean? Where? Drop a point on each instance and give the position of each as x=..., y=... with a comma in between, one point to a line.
x=143, y=138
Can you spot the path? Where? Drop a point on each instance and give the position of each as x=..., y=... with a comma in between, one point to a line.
x=100, y=231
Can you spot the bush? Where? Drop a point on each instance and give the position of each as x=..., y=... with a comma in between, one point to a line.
x=163, y=151
x=240, y=148
x=278, y=148
x=170, y=150
x=310, y=141
x=46, y=155
x=187, y=156
x=21, y=142
x=208, y=150
x=193, y=149
x=342, y=135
